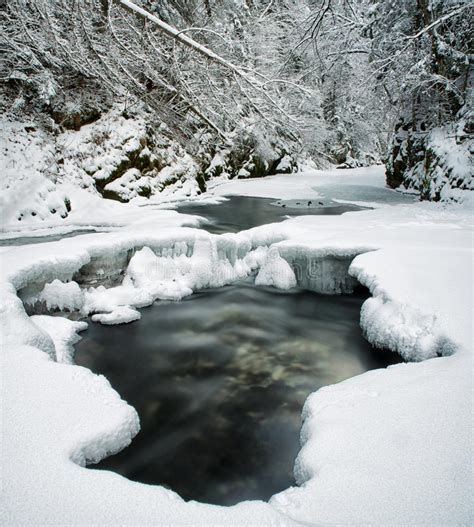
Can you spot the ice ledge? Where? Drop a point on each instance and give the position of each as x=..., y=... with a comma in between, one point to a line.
x=111, y=281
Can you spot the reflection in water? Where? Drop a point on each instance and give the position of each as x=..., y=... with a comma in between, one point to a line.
x=219, y=381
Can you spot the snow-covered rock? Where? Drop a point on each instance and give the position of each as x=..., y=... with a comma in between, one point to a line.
x=120, y=315
x=438, y=165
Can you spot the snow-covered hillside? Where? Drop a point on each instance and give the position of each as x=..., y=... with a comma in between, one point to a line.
x=121, y=157
x=117, y=157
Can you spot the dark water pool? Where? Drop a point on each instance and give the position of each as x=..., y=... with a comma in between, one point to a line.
x=219, y=380
x=244, y=212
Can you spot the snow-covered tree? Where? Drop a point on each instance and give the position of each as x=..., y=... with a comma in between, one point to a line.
x=424, y=58
x=406, y=59
x=254, y=78
x=129, y=50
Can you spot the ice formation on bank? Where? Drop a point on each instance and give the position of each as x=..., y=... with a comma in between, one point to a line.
x=62, y=296
x=63, y=332
x=276, y=272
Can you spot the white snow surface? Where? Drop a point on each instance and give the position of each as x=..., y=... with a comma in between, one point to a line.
x=276, y=272
x=389, y=447
x=64, y=333
x=297, y=186
x=119, y=315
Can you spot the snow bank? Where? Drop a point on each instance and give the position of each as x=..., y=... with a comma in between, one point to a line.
x=63, y=332
x=16, y=327
x=415, y=318
x=389, y=447
x=60, y=417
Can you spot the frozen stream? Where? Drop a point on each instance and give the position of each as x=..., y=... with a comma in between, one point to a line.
x=219, y=379
x=244, y=212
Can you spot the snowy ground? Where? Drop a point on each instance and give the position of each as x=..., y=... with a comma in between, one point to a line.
x=388, y=447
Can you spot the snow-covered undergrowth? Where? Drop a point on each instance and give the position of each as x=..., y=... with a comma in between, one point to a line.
x=390, y=446
x=437, y=165
x=29, y=193
x=122, y=157
x=118, y=156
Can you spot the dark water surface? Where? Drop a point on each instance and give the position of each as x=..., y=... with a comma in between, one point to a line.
x=237, y=214
x=219, y=380
x=28, y=240
x=244, y=212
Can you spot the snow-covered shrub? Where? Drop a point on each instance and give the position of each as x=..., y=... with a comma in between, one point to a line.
x=29, y=173
x=437, y=164
x=253, y=153
x=128, y=186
